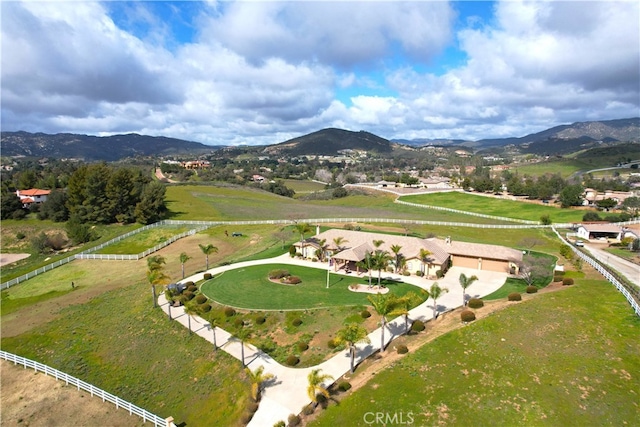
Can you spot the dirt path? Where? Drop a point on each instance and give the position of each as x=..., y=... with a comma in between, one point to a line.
x=34, y=399
x=11, y=258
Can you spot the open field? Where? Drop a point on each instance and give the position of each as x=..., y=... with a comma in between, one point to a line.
x=250, y=288
x=496, y=207
x=143, y=240
x=303, y=186
x=529, y=364
x=565, y=167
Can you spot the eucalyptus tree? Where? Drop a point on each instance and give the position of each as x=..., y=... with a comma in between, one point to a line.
x=316, y=385
x=208, y=250
x=465, y=282
x=351, y=335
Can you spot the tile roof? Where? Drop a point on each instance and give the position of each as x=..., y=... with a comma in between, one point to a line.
x=34, y=192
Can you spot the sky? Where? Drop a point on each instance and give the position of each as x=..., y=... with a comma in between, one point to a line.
x=262, y=72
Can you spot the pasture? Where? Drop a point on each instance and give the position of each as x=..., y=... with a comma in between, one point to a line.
x=564, y=167
x=497, y=207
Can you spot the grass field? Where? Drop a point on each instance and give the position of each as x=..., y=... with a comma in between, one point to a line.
x=143, y=240
x=303, y=186
x=530, y=364
x=496, y=207
x=250, y=288
x=565, y=167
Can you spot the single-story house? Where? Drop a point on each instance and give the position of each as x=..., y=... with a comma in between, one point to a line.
x=599, y=231
x=346, y=249
x=33, y=195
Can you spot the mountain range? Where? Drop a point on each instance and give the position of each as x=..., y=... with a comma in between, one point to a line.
x=556, y=140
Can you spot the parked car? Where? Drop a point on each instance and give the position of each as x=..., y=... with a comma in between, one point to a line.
x=579, y=243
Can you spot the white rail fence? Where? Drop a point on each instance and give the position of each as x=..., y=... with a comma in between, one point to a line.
x=94, y=391
x=607, y=275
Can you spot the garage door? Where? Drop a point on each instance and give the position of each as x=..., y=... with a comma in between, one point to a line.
x=465, y=262
x=494, y=265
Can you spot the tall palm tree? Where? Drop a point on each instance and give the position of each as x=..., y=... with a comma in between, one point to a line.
x=190, y=311
x=397, y=255
x=381, y=261
x=368, y=263
x=465, y=282
x=208, y=250
x=316, y=381
x=436, y=292
x=213, y=323
x=424, y=257
x=302, y=229
x=183, y=258
x=384, y=305
x=338, y=242
x=257, y=377
x=378, y=243
x=404, y=304
x=322, y=250
x=242, y=336
x=155, y=274
x=351, y=335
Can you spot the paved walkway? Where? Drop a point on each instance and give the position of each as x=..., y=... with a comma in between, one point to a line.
x=628, y=269
x=287, y=393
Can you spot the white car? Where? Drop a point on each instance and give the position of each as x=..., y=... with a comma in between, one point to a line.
x=579, y=243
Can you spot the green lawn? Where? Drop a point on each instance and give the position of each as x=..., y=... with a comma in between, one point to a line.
x=143, y=240
x=564, y=358
x=497, y=207
x=303, y=186
x=565, y=167
x=249, y=288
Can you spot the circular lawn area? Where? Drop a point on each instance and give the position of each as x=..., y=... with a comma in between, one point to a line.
x=250, y=288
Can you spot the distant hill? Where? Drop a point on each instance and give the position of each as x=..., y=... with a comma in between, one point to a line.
x=93, y=148
x=329, y=142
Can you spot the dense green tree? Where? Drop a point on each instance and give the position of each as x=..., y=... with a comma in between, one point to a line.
x=591, y=216
x=632, y=204
x=152, y=206
x=607, y=203
x=79, y=231
x=571, y=195
x=9, y=204
x=55, y=207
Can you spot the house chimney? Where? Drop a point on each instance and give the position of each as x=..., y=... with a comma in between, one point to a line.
x=317, y=230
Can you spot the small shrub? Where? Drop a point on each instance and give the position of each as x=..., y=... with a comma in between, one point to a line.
x=365, y=314
x=417, y=326
x=192, y=288
x=187, y=295
x=406, y=273
x=402, y=349
x=292, y=251
x=229, y=311
x=567, y=281
x=280, y=424
x=302, y=346
x=207, y=276
x=293, y=420
x=475, y=303
x=532, y=289
x=308, y=409
x=344, y=386
x=20, y=235
x=239, y=322
x=419, y=273
x=252, y=406
x=278, y=274
x=189, y=283
x=314, y=259
x=292, y=280
x=557, y=278
x=292, y=360
x=260, y=320
x=439, y=274
x=468, y=315
x=296, y=322
x=204, y=308
x=331, y=344
x=514, y=296
x=201, y=299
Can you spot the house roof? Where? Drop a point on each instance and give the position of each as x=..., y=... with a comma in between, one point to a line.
x=34, y=192
x=357, y=243
x=601, y=228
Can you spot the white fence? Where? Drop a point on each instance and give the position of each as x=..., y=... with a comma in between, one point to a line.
x=630, y=294
x=94, y=391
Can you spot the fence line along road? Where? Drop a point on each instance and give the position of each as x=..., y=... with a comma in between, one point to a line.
x=94, y=391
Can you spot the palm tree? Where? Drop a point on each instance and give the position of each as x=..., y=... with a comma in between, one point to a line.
x=184, y=258
x=436, y=292
x=155, y=274
x=465, y=282
x=190, y=311
x=381, y=260
x=351, y=335
x=302, y=229
x=257, y=377
x=384, y=305
x=397, y=255
x=316, y=381
x=404, y=304
x=378, y=243
x=242, y=336
x=368, y=263
x=208, y=250
x=213, y=323
x=424, y=255
x=322, y=250
x=338, y=242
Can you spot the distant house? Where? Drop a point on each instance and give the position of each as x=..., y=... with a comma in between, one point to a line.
x=592, y=196
x=442, y=253
x=33, y=195
x=599, y=231
x=258, y=178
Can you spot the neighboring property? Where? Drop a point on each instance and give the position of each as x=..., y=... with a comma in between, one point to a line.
x=33, y=195
x=607, y=231
x=592, y=196
x=442, y=253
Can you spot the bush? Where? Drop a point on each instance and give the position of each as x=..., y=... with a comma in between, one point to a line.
x=278, y=274
x=292, y=360
x=308, y=409
x=252, y=407
x=419, y=273
x=567, y=281
x=229, y=311
x=417, y=326
x=344, y=386
x=514, y=296
x=302, y=346
x=365, y=314
x=406, y=273
x=296, y=322
x=280, y=424
x=201, y=299
x=207, y=276
x=293, y=420
x=187, y=295
x=238, y=322
x=332, y=344
x=192, y=288
x=20, y=235
x=402, y=349
x=260, y=320
x=292, y=280
x=189, y=283
x=439, y=274
x=292, y=251
x=557, y=278
x=204, y=308
x=532, y=289
x=468, y=315
x=475, y=303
